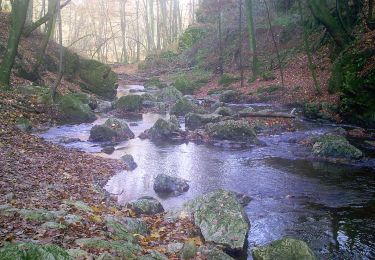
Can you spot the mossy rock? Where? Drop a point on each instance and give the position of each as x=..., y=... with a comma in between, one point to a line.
x=33, y=251
x=163, y=129
x=353, y=75
x=112, y=130
x=286, y=248
x=130, y=103
x=39, y=215
x=146, y=206
x=24, y=125
x=125, y=228
x=270, y=89
x=100, y=79
x=229, y=96
x=232, y=130
x=221, y=219
x=195, y=120
x=182, y=107
x=169, y=94
x=73, y=110
x=335, y=146
x=78, y=204
x=121, y=248
x=224, y=111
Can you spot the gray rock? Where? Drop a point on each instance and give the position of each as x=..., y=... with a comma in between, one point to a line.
x=169, y=94
x=221, y=219
x=69, y=140
x=286, y=248
x=145, y=205
x=229, y=96
x=103, y=106
x=163, y=129
x=172, y=185
x=213, y=253
x=108, y=150
x=189, y=250
x=112, y=130
x=129, y=160
x=123, y=228
x=174, y=247
x=153, y=255
x=232, y=130
x=182, y=107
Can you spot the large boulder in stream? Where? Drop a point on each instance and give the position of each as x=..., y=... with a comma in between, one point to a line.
x=129, y=160
x=169, y=95
x=145, y=205
x=74, y=110
x=221, y=219
x=182, y=107
x=170, y=185
x=286, y=248
x=112, y=130
x=163, y=129
x=195, y=120
x=129, y=103
x=239, y=131
x=335, y=146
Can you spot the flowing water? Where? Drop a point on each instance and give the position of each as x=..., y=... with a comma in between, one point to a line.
x=330, y=206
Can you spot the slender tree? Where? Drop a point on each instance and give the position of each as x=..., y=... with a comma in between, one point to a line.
x=240, y=42
x=252, y=39
x=307, y=50
x=274, y=42
x=61, y=58
x=18, y=17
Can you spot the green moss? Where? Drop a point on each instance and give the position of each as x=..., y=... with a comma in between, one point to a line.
x=73, y=110
x=231, y=130
x=228, y=79
x=100, y=79
x=71, y=65
x=353, y=75
x=130, y=103
x=182, y=107
x=33, y=251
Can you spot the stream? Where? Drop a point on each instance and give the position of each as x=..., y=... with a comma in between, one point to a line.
x=330, y=206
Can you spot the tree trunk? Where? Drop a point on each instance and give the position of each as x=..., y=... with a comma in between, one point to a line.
x=240, y=42
x=138, y=36
x=221, y=67
x=123, y=31
x=158, y=28
x=308, y=52
x=61, y=61
x=29, y=16
x=18, y=17
x=252, y=39
x=275, y=43
x=320, y=10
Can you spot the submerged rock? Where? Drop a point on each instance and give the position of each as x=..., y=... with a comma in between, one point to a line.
x=33, y=251
x=194, y=120
x=221, y=219
x=112, y=130
x=336, y=146
x=129, y=160
x=286, y=248
x=232, y=130
x=163, y=129
x=145, y=205
x=172, y=185
x=108, y=149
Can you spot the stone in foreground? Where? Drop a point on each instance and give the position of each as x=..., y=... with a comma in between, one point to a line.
x=129, y=160
x=112, y=130
x=286, y=248
x=221, y=219
x=232, y=130
x=171, y=185
x=145, y=205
